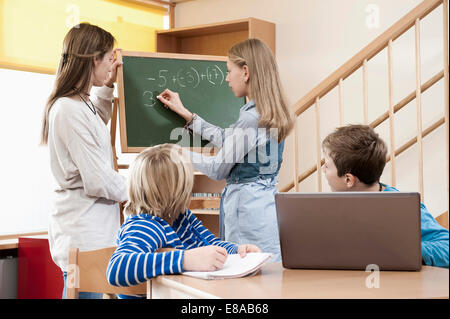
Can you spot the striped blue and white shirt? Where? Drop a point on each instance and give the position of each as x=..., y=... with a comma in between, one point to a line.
x=135, y=260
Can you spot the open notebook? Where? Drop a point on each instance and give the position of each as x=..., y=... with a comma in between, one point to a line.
x=234, y=267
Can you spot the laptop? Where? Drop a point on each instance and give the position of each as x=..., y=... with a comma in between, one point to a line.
x=350, y=230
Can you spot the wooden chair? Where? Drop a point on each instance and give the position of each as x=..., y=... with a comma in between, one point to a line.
x=87, y=273
x=443, y=219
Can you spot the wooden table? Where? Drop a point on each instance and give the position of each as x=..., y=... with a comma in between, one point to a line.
x=7, y=244
x=11, y=241
x=276, y=282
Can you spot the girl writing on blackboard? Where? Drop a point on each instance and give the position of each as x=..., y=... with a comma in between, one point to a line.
x=86, y=213
x=251, y=149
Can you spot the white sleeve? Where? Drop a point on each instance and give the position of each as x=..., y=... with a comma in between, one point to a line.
x=102, y=98
x=237, y=142
x=99, y=180
x=98, y=177
x=208, y=131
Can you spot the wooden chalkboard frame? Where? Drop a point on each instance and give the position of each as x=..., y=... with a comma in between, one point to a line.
x=121, y=91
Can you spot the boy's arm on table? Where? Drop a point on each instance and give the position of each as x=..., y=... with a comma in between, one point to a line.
x=137, y=259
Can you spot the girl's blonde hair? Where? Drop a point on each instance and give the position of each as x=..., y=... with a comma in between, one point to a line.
x=81, y=45
x=161, y=181
x=264, y=85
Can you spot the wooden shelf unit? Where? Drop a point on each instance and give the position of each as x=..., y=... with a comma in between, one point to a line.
x=212, y=39
x=207, y=208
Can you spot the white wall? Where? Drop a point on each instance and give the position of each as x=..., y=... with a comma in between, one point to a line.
x=313, y=39
x=27, y=181
x=26, y=178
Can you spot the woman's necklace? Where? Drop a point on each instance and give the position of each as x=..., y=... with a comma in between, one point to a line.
x=92, y=106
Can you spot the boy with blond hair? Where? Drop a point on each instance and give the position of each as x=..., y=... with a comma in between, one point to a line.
x=160, y=187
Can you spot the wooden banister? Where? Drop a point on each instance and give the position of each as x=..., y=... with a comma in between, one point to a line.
x=398, y=151
x=446, y=89
x=410, y=97
x=367, y=53
x=360, y=60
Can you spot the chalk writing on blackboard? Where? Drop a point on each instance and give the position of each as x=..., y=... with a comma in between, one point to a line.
x=183, y=78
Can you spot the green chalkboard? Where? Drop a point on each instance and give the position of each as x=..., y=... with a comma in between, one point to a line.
x=200, y=82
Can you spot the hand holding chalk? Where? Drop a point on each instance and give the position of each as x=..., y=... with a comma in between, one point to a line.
x=172, y=101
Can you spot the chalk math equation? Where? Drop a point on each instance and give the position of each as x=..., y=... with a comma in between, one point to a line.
x=183, y=78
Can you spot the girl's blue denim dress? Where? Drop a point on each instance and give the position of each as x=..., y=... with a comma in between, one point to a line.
x=249, y=159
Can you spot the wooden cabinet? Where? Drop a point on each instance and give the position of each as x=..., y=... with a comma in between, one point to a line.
x=212, y=39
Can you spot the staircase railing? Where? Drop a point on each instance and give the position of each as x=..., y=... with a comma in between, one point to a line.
x=336, y=79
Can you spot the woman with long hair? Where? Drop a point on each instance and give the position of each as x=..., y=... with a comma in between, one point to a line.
x=86, y=213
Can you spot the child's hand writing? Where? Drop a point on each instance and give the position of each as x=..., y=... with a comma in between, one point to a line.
x=208, y=258
x=248, y=248
x=172, y=101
